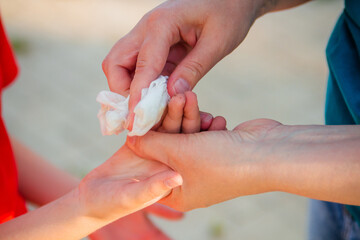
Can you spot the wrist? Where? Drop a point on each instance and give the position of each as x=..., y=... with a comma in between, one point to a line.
x=264, y=6
x=60, y=219
x=81, y=213
x=255, y=153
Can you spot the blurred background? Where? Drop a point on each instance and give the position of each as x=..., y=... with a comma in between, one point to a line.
x=278, y=72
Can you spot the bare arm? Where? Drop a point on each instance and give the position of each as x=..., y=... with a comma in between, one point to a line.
x=39, y=181
x=278, y=5
x=321, y=162
x=104, y=195
x=61, y=219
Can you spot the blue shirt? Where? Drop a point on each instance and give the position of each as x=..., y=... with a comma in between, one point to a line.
x=343, y=56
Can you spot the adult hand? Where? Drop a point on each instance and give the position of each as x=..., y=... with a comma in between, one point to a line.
x=215, y=166
x=320, y=162
x=183, y=39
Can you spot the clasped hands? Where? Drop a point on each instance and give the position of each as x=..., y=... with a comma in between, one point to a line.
x=127, y=182
x=182, y=39
x=192, y=170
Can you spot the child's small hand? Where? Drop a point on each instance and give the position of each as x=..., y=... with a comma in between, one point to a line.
x=125, y=183
x=183, y=116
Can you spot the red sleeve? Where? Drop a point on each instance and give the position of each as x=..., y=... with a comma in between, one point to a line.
x=11, y=202
x=8, y=66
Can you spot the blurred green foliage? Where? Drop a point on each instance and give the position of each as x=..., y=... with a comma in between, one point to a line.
x=217, y=230
x=20, y=45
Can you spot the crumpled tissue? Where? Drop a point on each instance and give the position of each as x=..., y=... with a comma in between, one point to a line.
x=148, y=112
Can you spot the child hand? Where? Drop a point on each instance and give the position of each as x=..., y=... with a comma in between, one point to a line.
x=124, y=184
x=183, y=116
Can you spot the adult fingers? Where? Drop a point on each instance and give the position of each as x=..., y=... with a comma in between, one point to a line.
x=119, y=80
x=176, y=54
x=119, y=64
x=150, y=63
x=191, y=120
x=164, y=212
x=207, y=52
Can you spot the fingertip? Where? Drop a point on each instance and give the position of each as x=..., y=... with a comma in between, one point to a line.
x=135, y=97
x=191, y=109
x=130, y=120
x=206, y=120
x=191, y=120
x=178, y=101
x=170, y=87
x=175, y=180
x=218, y=123
x=177, y=86
x=173, y=118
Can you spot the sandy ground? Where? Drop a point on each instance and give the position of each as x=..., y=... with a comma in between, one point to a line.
x=278, y=72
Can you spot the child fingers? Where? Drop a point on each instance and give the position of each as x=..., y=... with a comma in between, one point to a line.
x=151, y=190
x=191, y=121
x=206, y=120
x=218, y=123
x=174, y=116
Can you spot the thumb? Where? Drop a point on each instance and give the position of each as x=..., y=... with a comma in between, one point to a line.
x=152, y=189
x=208, y=50
x=156, y=146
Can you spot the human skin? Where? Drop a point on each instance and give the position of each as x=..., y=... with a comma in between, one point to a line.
x=120, y=186
x=104, y=195
x=41, y=183
x=183, y=39
x=319, y=162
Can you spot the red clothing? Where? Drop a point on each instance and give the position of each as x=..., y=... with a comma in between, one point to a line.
x=11, y=203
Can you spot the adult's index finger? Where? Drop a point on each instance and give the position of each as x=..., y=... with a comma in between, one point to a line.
x=150, y=63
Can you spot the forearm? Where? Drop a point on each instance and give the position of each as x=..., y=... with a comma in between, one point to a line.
x=320, y=162
x=61, y=219
x=39, y=181
x=267, y=6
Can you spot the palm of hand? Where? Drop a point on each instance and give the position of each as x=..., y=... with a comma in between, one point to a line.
x=118, y=178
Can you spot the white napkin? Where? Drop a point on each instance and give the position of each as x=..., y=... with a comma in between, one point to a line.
x=115, y=109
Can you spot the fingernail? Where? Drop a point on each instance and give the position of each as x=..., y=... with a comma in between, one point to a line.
x=173, y=182
x=206, y=117
x=181, y=86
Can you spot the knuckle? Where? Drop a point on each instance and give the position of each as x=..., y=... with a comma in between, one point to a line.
x=105, y=64
x=195, y=69
x=145, y=66
x=153, y=191
x=156, y=17
x=141, y=65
